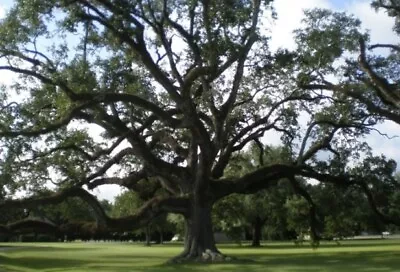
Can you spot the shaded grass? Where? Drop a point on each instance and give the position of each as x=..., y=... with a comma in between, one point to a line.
x=354, y=256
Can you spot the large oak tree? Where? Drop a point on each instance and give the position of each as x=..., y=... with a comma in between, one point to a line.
x=175, y=88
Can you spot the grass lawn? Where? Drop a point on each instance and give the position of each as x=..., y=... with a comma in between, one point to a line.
x=353, y=256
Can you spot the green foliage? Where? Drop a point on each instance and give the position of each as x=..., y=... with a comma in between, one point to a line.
x=298, y=215
x=339, y=226
x=235, y=213
x=177, y=223
x=365, y=71
x=326, y=37
x=72, y=210
x=126, y=204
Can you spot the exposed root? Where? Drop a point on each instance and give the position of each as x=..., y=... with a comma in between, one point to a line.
x=208, y=256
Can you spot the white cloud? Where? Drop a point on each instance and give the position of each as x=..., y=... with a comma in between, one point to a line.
x=6, y=77
x=108, y=192
x=384, y=145
x=379, y=24
x=290, y=14
x=2, y=11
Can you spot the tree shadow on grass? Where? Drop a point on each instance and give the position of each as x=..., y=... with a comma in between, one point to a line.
x=355, y=262
x=45, y=262
x=39, y=263
x=4, y=248
x=387, y=261
x=14, y=248
x=305, y=245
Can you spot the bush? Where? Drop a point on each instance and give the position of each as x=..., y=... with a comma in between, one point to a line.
x=26, y=238
x=46, y=238
x=31, y=237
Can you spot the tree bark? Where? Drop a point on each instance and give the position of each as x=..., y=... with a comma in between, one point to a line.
x=257, y=228
x=147, y=233
x=199, y=242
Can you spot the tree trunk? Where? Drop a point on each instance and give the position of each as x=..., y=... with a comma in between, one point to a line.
x=161, y=237
x=257, y=228
x=147, y=233
x=199, y=242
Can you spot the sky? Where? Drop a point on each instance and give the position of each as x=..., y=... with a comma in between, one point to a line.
x=289, y=18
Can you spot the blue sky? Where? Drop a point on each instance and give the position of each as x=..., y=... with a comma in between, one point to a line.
x=6, y=3
x=338, y=3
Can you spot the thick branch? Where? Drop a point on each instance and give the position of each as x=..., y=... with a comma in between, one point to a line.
x=313, y=220
x=371, y=106
x=149, y=211
x=259, y=179
x=128, y=181
x=318, y=145
x=88, y=156
x=189, y=39
x=384, y=218
x=232, y=146
x=269, y=175
x=385, y=92
x=33, y=132
x=114, y=160
x=58, y=198
x=135, y=100
x=30, y=225
x=145, y=214
x=391, y=46
x=242, y=56
x=139, y=47
x=44, y=79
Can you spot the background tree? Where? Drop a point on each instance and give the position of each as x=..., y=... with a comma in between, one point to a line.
x=127, y=203
x=236, y=213
x=175, y=89
x=71, y=210
x=298, y=216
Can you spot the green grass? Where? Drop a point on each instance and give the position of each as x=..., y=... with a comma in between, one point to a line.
x=353, y=256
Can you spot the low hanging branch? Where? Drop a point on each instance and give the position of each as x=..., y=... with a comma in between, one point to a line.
x=150, y=210
x=259, y=179
x=30, y=225
x=127, y=182
x=383, y=217
x=313, y=208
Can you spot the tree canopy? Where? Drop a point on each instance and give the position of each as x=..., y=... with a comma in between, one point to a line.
x=159, y=96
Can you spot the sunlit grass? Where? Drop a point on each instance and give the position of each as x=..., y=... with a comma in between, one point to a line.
x=354, y=256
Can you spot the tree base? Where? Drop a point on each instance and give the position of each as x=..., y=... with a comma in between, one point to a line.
x=208, y=256
x=256, y=246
